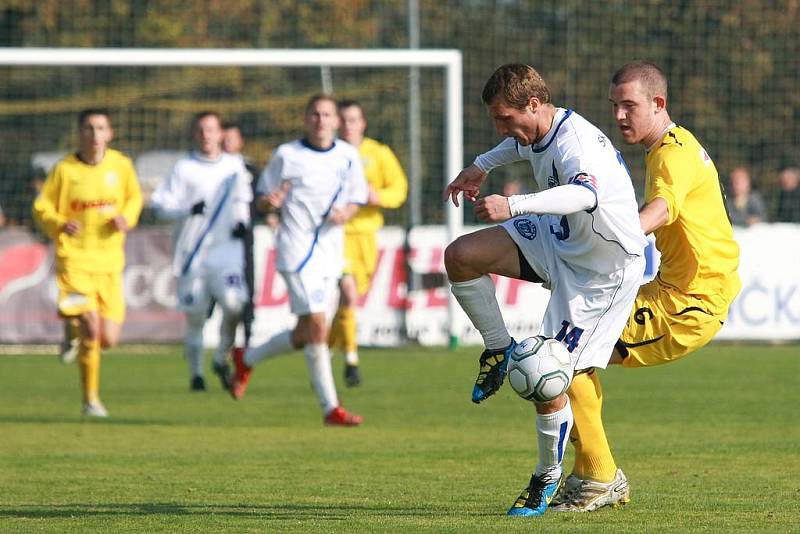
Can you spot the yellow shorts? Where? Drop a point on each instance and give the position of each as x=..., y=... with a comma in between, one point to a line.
x=80, y=292
x=666, y=325
x=361, y=258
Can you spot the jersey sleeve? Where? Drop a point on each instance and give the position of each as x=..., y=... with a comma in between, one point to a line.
x=355, y=190
x=243, y=195
x=503, y=154
x=670, y=177
x=578, y=166
x=45, y=207
x=394, y=189
x=133, y=195
x=169, y=197
x=274, y=173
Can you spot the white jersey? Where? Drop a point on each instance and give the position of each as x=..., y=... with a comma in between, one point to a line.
x=319, y=181
x=604, y=238
x=203, y=243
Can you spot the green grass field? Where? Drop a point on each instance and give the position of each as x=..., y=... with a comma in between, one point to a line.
x=711, y=443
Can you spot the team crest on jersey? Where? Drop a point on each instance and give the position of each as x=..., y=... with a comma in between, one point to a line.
x=552, y=181
x=111, y=179
x=526, y=228
x=602, y=139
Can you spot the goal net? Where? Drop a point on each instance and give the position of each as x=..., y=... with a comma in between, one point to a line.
x=152, y=95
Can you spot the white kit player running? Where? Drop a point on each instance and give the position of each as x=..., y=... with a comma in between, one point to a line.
x=319, y=183
x=209, y=194
x=579, y=236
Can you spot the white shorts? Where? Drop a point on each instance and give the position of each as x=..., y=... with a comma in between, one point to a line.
x=227, y=287
x=309, y=292
x=587, y=310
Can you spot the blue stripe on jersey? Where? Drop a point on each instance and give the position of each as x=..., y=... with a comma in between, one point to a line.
x=555, y=133
x=228, y=184
x=317, y=230
x=562, y=434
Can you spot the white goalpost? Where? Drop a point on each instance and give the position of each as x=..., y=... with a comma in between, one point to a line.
x=448, y=60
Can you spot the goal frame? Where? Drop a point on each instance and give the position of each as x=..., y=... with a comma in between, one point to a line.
x=449, y=59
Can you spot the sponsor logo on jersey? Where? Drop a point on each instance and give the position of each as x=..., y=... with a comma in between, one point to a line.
x=602, y=140
x=111, y=178
x=99, y=203
x=526, y=228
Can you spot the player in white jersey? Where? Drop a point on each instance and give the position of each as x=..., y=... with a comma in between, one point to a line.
x=579, y=236
x=319, y=183
x=208, y=193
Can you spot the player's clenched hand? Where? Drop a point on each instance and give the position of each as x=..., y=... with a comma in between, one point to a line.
x=493, y=208
x=120, y=223
x=468, y=181
x=71, y=227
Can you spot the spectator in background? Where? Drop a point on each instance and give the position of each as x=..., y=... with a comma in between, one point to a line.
x=2, y=218
x=745, y=206
x=89, y=202
x=789, y=196
x=208, y=194
x=388, y=188
x=326, y=186
x=233, y=144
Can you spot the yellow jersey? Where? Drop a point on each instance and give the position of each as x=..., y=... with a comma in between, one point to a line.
x=698, y=253
x=91, y=195
x=386, y=177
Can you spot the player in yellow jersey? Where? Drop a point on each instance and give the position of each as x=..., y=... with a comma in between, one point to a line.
x=686, y=304
x=88, y=203
x=388, y=188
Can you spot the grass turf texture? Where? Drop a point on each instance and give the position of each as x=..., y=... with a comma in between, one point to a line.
x=709, y=444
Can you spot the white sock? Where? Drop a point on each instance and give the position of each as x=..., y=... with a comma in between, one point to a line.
x=280, y=343
x=193, y=345
x=351, y=358
x=553, y=431
x=478, y=301
x=227, y=335
x=318, y=359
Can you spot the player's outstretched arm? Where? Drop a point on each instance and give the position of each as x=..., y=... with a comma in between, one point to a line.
x=653, y=215
x=468, y=182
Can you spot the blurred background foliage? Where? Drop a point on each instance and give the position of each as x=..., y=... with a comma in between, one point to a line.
x=733, y=69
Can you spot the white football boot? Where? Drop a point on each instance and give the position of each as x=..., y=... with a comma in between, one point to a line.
x=94, y=409
x=578, y=495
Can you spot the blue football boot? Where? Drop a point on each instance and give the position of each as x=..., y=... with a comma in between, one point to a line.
x=536, y=497
x=492, y=372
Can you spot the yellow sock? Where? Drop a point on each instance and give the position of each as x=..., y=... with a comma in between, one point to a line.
x=347, y=317
x=593, y=459
x=89, y=365
x=335, y=334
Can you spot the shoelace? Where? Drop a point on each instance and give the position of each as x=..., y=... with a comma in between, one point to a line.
x=536, y=490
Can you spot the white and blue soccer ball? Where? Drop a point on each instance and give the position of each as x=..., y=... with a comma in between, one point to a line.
x=540, y=369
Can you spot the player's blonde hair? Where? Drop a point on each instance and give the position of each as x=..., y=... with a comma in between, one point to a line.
x=516, y=83
x=320, y=97
x=652, y=78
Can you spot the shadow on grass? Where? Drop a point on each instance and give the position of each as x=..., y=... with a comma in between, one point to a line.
x=284, y=511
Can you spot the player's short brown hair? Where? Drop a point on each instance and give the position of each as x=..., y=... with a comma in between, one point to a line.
x=516, y=83
x=197, y=117
x=652, y=78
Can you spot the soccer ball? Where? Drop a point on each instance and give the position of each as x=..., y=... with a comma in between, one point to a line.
x=540, y=369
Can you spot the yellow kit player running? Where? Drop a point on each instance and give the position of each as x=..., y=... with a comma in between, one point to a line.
x=88, y=203
x=388, y=188
x=686, y=304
